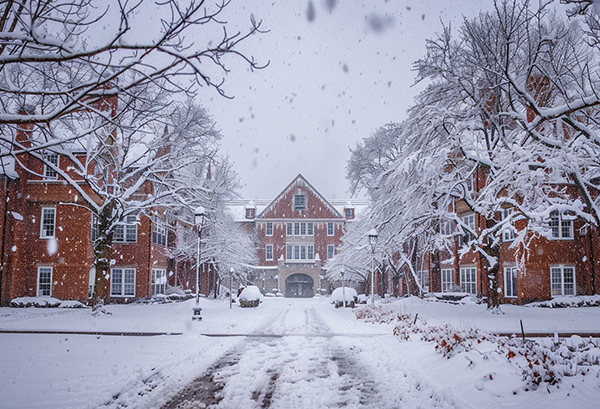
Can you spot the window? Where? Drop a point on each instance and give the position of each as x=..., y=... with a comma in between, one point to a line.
x=300, y=252
x=562, y=280
x=446, y=228
x=269, y=229
x=310, y=229
x=510, y=281
x=330, y=229
x=468, y=280
x=250, y=213
x=48, y=222
x=269, y=252
x=508, y=234
x=469, y=221
x=447, y=280
x=289, y=230
x=303, y=229
x=159, y=281
x=299, y=202
x=122, y=282
x=44, y=287
x=50, y=172
x=126, y=232
x=159, y=234
x=349, y=213
x=561, y=225
x=296, y=229
x=330, y=251
x=95, y=230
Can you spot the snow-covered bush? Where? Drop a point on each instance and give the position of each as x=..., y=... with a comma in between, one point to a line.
x=72, y=304
x=337, y=297
x=39, y=302
x=450, y=340
x=569, y=301
x=542, y=362
x=549, y=364
x=250, y=297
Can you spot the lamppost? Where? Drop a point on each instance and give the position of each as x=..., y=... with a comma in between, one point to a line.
x=231, y=270
x=372, y=243
x=343, y=287
x=199, y=217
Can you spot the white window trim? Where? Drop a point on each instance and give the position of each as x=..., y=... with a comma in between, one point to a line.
x=267, y=229
x=159, y=231
x=467, y=236
x=560, y=230
x=122, y=269
x=506, y=276
x=290, y=250
x=38, y=292
x=125, y=224
x=508, y=233
x=42, y=230
x=469, y=283
x=330, y=246
x=332, y=229
x=295, y=204
x=49, y=168
x=449, y=284
x=153, y=284
x=267, y=247
x=562, y=280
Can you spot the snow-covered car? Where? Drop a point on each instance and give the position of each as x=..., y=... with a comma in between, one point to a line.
x=337, y=297
x=250, y=296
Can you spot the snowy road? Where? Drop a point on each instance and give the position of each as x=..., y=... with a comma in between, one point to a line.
x=295, y=360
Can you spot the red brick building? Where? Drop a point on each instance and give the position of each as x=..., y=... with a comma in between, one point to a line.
x=295, y=234
x=566, y=263
x=47, y=232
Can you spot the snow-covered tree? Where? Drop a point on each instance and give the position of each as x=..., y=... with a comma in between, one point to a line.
x=507, y=124
x=62, y=56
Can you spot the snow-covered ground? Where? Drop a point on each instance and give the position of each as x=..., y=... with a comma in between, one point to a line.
x=290, y=353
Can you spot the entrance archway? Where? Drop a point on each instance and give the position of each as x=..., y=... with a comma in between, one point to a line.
x=299, y=286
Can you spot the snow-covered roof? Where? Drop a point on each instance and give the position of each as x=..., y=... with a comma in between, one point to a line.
x=238, y=207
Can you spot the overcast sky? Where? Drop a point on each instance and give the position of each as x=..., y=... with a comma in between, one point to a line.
x=337, y=72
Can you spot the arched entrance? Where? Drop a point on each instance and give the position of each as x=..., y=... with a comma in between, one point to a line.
x=299, y=286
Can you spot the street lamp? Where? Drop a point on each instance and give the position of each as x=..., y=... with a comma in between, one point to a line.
x=231, y=270
x=372, y=243
x=199, y=217
x=343, y=287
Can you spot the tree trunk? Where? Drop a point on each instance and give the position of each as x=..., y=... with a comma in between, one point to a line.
x=102, y=256
x=493, y=296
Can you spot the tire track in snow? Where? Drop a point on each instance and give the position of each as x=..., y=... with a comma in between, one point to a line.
x=285, y=369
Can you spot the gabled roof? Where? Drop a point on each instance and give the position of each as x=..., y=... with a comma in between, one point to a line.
x=300, y=182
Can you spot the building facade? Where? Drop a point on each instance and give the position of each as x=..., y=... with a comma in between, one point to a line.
x=47, y=235
x=295, y=234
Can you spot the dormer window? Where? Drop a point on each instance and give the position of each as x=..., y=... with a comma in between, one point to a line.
x=300, y=202
x=250, y=210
